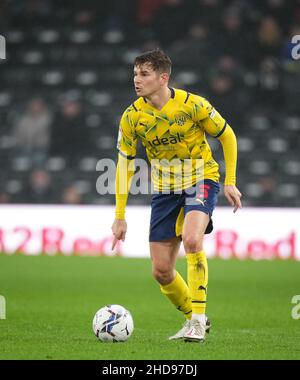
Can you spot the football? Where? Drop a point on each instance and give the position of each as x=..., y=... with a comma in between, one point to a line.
x=113, y=323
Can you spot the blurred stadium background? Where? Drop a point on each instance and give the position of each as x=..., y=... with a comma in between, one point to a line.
x=68, y=77
x=65, y=81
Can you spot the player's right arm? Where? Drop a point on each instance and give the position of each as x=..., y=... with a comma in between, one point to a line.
x=125, y=169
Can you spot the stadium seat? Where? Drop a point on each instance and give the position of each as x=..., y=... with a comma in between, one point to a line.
x=33, y=57
x=93, y=120
x=253, y=190
x=260, y=167
x=87, y=78
x=83, y=187
x=292, y=123
x=100, y=99
x=291, y=168
x=278, y=145
x=53, y=78
x=5, y=98
x=48, y=36
x=259, y=123
x=80, y=36
x=15, y=36
x=106, y=142
x=21, y=164
x=88, y=164
x=186, y=78
x=245, y=144
x=13, y=186
x=288, y=190
x=56, y=164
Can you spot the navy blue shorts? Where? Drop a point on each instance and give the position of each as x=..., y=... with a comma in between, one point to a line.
x=168, y=210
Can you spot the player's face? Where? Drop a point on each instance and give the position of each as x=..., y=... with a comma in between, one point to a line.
x=147, y=81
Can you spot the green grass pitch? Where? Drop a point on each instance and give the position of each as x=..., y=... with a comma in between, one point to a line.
x=50, y=303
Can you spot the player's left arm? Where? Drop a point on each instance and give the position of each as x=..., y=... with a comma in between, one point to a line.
x=229, y=145
x=216, y=126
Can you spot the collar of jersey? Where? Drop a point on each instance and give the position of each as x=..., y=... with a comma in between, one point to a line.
x=156, y=109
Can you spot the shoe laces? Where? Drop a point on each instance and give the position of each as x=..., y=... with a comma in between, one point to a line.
x=199, y=328
x=186, y=324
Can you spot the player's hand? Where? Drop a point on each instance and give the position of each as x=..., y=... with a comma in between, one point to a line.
x=119, y=229
x=233, y=196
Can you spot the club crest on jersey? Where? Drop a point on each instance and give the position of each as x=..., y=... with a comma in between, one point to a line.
x=180, y=119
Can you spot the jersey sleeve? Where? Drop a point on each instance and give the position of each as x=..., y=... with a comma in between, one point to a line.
x=124, y=174
x=208, y=117
x=127, y=140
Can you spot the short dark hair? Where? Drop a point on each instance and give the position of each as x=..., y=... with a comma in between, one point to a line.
x=157, y=59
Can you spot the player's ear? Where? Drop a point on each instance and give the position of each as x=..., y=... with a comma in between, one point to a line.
x=164, y=78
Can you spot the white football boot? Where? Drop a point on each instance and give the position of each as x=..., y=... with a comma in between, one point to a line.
x=186, y=328
x=196, y=332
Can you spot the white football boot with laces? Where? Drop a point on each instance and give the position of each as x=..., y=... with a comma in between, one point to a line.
x=196, y=332
x=187, y=327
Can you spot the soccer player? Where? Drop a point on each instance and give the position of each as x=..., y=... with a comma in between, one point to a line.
x=172, y=125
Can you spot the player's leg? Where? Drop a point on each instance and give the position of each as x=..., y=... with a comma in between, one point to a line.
x=195, y=224
x=198, y=209
x=163, y=256
x=164, y=247
x=194, y=227
x=172, y=285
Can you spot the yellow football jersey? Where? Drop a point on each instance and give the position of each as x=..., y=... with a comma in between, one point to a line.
x=174, y=138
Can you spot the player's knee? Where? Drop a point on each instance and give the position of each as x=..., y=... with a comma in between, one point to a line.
x=162, y=275
x=192, y=243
